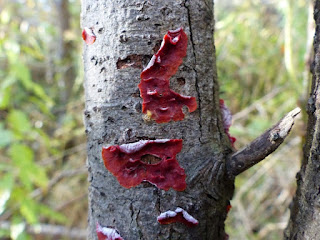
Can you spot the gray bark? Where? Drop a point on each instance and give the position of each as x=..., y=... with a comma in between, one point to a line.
x=304, y=221
x=130, y=31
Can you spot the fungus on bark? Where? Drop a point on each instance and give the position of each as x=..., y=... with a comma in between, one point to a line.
x=179, y=215
x=227, y=120
x=126, y=163
x=159, y=100
x=107, y=233
x=88, y=36
x=229, y=207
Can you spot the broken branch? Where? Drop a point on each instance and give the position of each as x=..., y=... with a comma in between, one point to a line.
x=262, y=146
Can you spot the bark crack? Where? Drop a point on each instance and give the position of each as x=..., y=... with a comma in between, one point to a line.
x=186, y=5
x=139, y=226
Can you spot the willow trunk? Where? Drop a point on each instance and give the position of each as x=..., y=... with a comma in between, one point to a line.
x=128, y=33
x=304, y=222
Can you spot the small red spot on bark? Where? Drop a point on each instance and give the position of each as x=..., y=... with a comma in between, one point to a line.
x=228, y=208
x=226, y=236
x=88, y=36
x=158, y=99
x=179, y=215
x=128, y=164
x=227, y=120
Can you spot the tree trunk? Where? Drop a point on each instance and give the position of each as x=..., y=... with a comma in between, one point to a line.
x=128, y=33
x=304, y=221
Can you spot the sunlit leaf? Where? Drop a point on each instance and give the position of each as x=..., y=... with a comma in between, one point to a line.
x=38, y=176
x=28, y=209
x=22, y=72
x=6, y=185
x=5, y=91
x=16, y=229
x=44, y=106
x=39, y=91
x=5, y=16
x=18, y=121
x=5, y=98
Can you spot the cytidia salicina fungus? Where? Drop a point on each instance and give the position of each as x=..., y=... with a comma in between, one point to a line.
x=227, y=120
x=107, y=233
x=178, y=215
x=160, y=103
x=126, y=163
x=88, y=36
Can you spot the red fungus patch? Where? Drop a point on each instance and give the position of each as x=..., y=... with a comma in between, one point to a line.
x=229, y=208
x=107, y=233
x=159, y=101
x=88, y=36
x=227, y=120
x=127, y=163
x=179, y=215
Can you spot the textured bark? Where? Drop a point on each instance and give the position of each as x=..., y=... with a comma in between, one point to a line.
x=128, y=34
x=304, y=221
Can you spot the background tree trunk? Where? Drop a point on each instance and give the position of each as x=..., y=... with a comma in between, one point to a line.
x=304, y=222
x=128, y=34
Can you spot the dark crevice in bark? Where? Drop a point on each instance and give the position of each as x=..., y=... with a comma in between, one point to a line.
x=132, y=212
x=138, y=224
x=186, y=5
x=134, y=61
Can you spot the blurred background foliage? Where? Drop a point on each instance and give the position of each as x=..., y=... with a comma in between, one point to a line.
x=263, y=58
x=42, y=141
x=264, y=51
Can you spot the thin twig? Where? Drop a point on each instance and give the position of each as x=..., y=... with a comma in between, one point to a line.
x=50, y=230
x=71, y=201
x=262, y=146
x=60, y=176
x=50, y=160
x=244, y=113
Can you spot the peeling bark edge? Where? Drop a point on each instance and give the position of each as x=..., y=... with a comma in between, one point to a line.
x=262, y=146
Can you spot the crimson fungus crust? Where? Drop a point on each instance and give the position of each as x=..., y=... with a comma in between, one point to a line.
x=88, y=36
x=227, y=120
x=179, y=215
x=125, y=163
x=107, y=233
x=159, y=100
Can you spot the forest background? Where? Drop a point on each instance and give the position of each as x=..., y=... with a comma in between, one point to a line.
x=264, y=52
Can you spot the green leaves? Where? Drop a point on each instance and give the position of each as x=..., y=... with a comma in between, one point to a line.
x=31, y=131
x=29, y=173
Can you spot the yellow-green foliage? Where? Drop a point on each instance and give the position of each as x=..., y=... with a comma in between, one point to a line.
x=261, y=48
x=36, y=128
